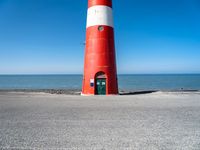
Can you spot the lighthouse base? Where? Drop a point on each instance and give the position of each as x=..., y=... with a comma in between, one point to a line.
x=82, y=94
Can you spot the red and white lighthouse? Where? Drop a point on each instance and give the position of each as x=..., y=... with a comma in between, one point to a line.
x=100, y=73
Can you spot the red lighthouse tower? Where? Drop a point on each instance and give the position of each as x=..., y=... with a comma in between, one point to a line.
x=100, y=75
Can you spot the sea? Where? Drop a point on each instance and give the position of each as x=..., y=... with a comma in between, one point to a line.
x=127, y=82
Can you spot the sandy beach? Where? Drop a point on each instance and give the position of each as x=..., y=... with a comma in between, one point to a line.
x=158, y=120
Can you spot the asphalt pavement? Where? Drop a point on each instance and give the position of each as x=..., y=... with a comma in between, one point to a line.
x=156, y=121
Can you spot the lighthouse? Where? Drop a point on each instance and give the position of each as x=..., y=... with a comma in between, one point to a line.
x=100, y=73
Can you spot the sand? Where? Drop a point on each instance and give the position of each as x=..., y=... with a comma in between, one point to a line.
x=159, y=120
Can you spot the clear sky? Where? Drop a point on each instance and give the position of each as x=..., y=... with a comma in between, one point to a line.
x=151, y=36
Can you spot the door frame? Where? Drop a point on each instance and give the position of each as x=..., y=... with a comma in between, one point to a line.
x=100, y=75
x=102, y=92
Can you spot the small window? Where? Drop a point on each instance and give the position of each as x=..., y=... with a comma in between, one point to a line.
x=100, y=28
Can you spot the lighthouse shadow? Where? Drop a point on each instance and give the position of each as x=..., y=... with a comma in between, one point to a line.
x=137, y=92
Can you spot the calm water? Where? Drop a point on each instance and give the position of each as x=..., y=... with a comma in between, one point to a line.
x=126, y=82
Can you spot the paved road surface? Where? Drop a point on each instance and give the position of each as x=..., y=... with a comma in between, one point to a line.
x=163, y=121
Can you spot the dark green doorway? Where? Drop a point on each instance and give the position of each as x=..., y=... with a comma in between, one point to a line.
x=100, y=86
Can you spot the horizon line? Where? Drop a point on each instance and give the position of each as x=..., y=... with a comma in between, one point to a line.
x=117, y=74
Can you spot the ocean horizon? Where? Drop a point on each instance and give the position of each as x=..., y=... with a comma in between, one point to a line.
x=126, y=82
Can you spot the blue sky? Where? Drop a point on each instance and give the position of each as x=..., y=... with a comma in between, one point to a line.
x=46, y=36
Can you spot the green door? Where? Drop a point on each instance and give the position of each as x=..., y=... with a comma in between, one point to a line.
x=101, y=86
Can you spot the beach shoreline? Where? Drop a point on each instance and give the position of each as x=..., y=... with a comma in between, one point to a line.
x=78, y=91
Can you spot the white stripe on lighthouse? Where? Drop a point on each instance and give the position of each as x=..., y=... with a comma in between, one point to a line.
x=99, y=15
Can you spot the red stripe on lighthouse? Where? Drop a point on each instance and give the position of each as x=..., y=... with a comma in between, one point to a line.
x=99, y=2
